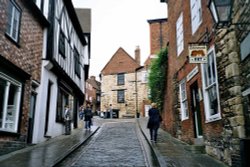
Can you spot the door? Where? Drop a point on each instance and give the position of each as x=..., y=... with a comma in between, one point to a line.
x=196, y=110
x=31, y=116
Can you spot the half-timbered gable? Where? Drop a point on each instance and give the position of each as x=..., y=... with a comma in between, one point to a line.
x=69, y=45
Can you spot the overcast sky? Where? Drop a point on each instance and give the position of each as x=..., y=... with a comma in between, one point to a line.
x=119, y=23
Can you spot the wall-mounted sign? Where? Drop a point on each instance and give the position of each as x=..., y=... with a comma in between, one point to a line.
x=197, y=53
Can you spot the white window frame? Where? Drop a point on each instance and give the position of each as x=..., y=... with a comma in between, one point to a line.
x=179, y=35
x=183, y=100
x=14, y=19
x=10, y=113
x=212, y=82
x=144, y=77
x=196, y=14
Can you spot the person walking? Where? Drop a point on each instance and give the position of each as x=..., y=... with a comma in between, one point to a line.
x=88, y=117
x=154, y=122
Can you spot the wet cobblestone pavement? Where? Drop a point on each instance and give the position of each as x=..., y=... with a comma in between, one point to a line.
x=116, y=144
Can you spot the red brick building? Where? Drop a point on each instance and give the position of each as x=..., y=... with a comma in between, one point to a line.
x=21, y=48
x=158, y=30
x=206, y=103
x=93, y=93
x=189, y=101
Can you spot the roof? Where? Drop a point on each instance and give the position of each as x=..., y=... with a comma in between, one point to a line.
x=95, y=84
x=157, y=20
x=84, y=17
x=75, y=21
x=120, y=62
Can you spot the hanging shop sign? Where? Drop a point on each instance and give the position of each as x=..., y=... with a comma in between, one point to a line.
x=197, y=53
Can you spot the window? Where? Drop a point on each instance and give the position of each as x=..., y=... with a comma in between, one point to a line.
x=210, y=88
x=196, y=14
x=62, y=101
x=183, y=100
x=120, y=79
x=244, y=47
x=144, y=77
x=14, y=17
x=62, y=43
x=9, y=103
x=179, y=35
x=77, y=63
x=120, y=96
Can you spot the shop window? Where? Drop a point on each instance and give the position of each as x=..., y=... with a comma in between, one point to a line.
x=62, y=101
x=183, y=100
x=210, y=88
x=9, y=103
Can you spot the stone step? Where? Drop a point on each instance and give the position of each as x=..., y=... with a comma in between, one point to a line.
x=128, y=116
x=196, y=149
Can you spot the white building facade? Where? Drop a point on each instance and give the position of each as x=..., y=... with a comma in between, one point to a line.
x=64, y=62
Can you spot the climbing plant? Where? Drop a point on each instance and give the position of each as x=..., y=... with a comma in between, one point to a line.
x=157, y=78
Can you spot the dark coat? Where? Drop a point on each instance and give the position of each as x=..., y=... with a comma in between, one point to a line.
x=154, y=118
x=87, y=114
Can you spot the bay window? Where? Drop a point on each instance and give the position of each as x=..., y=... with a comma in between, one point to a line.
x=210, y=88
x=10, y=97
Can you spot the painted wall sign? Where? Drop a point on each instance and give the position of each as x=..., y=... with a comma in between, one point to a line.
x=197, y=53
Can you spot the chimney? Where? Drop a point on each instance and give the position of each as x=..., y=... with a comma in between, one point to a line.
x=138, y=55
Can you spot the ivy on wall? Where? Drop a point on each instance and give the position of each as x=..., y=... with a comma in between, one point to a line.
x=157, y=78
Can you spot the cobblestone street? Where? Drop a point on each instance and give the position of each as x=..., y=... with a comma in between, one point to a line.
x=116, y=144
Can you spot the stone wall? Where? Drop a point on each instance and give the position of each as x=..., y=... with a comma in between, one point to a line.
x=109, y=94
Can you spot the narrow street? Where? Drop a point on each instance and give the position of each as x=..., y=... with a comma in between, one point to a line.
x=117, y=143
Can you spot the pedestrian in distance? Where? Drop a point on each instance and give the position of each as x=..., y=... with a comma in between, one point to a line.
x=154, y=122
x=88, y=117
x=81, y=112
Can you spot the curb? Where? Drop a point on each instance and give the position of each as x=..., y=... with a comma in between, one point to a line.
x=156, y=155
x=73, y=148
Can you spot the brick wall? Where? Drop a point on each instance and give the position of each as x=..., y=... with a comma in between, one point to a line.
x=178, y=68
x=158, y=35
x=26, y=55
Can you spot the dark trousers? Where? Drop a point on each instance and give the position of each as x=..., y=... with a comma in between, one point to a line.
x=153, y=134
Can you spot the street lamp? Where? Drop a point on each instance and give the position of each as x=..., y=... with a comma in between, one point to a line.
x=221, y=11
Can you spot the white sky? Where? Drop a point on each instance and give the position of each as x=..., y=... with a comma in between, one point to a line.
x=119, y=23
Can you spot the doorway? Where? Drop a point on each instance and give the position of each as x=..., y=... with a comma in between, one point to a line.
x=31, y=117
x=195, y=107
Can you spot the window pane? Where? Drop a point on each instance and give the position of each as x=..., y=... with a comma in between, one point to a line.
x=77, y=63
x=10, y=11
x=2, y=90
x=120, y=96
x=11, y=108
x=13, y=20
x=62, y=44
x=213, y=101
x=186, y=109
x=120, y=79
x=179, y=34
